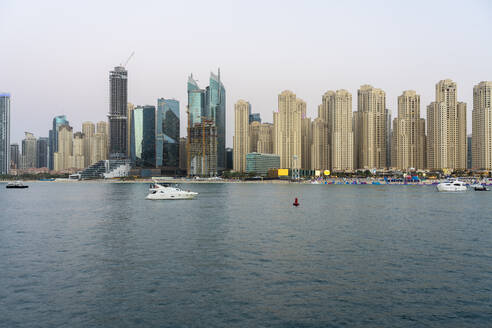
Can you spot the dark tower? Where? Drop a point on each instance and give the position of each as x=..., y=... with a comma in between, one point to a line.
x=117, y=117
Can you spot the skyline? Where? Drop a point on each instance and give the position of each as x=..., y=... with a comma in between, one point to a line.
x=257, y=61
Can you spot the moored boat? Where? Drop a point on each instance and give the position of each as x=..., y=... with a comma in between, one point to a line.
x=16, y=185
x=451, y=186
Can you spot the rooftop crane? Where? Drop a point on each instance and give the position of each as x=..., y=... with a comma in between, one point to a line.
x=130, y=57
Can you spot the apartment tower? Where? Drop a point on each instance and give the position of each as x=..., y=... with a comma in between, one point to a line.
x=63, y=157
x=371, y=128
x=446, y=121
x=241, y=146
x=408, y=133
x=287, y=129
x=339, y=128
x=482, y=126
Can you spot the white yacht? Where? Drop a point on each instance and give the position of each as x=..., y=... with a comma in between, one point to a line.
x=455, y=185
x=168, y=191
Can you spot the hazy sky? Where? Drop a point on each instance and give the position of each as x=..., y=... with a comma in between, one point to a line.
x=55, y=55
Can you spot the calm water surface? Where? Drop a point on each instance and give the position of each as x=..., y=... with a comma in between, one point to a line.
x=99, y=255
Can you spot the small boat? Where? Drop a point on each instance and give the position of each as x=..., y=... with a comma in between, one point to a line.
x=479, y=187
x=451, y=186
x=16, y=185
x=168, y=191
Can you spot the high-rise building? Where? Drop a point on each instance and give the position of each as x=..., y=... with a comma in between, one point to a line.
x=183, y=154
x=99, y=143
x=253, y=136
x=202, y=159
x=29, y=155
x=143, y=136
x=408, y=133
x=306, y=141
x=287, y=123
x=42, y=152
x=63, y=157
x=216, y=100
x=118, y=109
x=389, y=136
x=446, y=122
x=469, y=152
x=167, y=133
x=209, y=105
x=241, y=146
x=53, y=138
x=89, y=130
x=265, y=139
x=78, y=159
x=130, y=107
x=4, y=133
x=229, y=159
x=14, y=156
x=372, y=128
x=339, y=129
x=437, y=136
x=319, y=146
x=482, y=126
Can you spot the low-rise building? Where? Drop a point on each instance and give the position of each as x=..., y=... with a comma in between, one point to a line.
x=260, y=163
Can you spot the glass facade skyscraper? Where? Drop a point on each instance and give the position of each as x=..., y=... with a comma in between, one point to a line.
x=117, y=116
x=167, y=133
x=53, y=139
x=143, y=136
x=196, y=101
x=4, y=133
x=42, y=152
x=216, y=98
x=209, y=104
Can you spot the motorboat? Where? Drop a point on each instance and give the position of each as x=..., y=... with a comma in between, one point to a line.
x=163, y=191
x=479, y=187
x=16, y=185
x=451, y=186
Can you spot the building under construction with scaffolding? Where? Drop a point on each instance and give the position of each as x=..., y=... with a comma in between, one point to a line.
x=206, y=128
x=202, y=149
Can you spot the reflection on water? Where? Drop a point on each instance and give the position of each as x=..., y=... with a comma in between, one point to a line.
x=90, y=254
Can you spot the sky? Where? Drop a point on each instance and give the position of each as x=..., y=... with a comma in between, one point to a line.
x=55, y=56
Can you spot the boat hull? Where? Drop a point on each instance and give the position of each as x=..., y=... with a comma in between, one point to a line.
x=158, y=196
x=442, y=188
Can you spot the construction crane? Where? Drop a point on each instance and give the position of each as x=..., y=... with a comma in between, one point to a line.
x=126, y=62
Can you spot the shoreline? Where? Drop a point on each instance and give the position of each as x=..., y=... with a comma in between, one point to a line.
x=334, y=181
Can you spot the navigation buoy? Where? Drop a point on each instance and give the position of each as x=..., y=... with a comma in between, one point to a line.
x=296, y=202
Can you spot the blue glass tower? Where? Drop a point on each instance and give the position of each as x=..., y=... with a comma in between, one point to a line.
x=142, y=136
x=167, y=133
x=216, y=111
x=53, y=138
x=196, y=101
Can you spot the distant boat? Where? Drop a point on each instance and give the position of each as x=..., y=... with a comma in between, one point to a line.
x=479, y=187
x=451, y=186
x=168, y=191
x=16, y=185
x=47, y=179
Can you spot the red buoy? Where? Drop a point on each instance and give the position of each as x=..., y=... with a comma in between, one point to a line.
x=296, y=202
